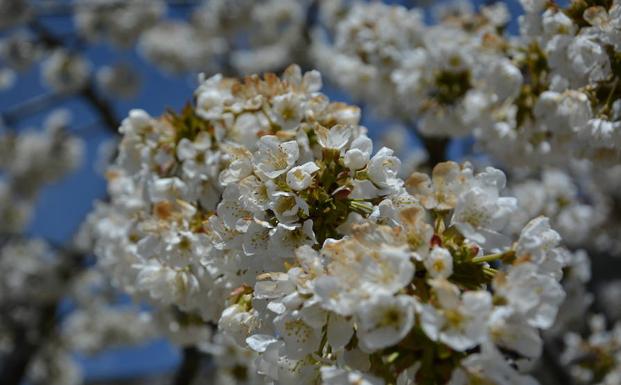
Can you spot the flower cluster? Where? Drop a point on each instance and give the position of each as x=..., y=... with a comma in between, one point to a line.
x=205, y=200
x=27, y=267
x=262, y=207
x=546, y=94
x=557, y=196
x=440, y=74
x=594, y=359
x=98, y=323
x=410, y=295
x=119, y=79
x=567, y=106
x=272, y=31
x=28, y=161
x=65, y=71
x=119, y=21
x=238, y=37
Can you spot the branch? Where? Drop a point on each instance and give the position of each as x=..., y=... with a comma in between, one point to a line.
x=102, y=107
x=310, y=20
x=189, y=368
x=45, y=35
x=436, y=149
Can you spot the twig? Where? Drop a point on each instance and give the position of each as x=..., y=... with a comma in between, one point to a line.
x=31, y=107
x=101, y=106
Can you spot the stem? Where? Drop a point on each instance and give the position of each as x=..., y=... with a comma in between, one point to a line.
x=493, y=257
x=487, y=258
x=607, y=106
x=360, y=207
x=324, y=341
x=189, y=368
x=490, y=271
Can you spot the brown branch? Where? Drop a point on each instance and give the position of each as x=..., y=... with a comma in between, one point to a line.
x=312, y=13
x=101, y=106
x=189, y=367
x=436, y=149
x=303, y=49
x=45, y=36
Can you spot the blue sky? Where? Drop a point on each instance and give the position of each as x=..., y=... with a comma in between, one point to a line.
x=62, y=206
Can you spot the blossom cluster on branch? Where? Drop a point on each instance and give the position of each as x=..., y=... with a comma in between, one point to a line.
x=263, y=208
x=538, y=97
